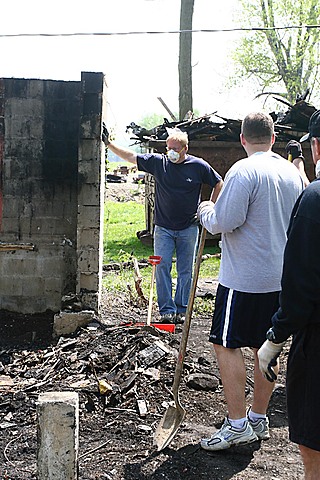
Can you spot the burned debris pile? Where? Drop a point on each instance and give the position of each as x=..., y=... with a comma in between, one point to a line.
x=123, y=376
x=291, y=124
x=112, y=366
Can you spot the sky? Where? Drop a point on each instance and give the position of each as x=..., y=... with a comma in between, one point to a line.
x=138, y=68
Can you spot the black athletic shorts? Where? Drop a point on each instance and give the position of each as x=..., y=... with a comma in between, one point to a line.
x=242, y=319
x=303, y=387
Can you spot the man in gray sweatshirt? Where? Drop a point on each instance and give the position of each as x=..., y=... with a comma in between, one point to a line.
x=252, y=213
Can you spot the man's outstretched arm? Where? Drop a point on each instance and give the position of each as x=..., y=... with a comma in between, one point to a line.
x=124, y=153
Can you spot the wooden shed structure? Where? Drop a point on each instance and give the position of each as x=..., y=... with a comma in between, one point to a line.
x=221, y=156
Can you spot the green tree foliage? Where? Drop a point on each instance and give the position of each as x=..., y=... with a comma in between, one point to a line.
x=283, y=60
x=151, y=120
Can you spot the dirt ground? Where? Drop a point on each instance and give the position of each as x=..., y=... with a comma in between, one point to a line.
x=116, y=435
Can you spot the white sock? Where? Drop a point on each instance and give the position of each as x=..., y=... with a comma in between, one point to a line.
x=254, y=417
x=239, y=423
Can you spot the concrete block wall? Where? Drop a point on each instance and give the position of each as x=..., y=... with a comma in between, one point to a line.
x=91, y=174
x=51, y=166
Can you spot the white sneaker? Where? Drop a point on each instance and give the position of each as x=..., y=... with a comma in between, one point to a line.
x=260, y=427
x=228, y=435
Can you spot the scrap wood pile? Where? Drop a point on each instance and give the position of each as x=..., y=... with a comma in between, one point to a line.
x=114, y=368
x=289, y=125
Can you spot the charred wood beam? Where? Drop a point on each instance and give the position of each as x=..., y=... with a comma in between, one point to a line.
x=16, y=246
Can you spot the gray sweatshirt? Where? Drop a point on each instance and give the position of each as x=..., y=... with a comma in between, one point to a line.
x=252, y=213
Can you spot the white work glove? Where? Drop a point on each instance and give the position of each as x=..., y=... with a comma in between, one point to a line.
x=204, y=206
x=268, y=355
x=207, y=216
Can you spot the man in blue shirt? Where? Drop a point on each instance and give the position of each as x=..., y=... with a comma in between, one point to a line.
x=179, y=178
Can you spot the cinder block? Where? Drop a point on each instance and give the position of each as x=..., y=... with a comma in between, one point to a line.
x=54, y=90
x=32, y=286
x=11, y=284
x=17, y=303
x=92, y=82
x=90, y=125
x=92, y=104
x=88, y=260
x=11, y=228
x=89, y=281
x=90, y=194
x=88, y=217
x=53, y=301
x=15, y=87
x=52, y=284
x=24, y=126
x=98, y=163
x=54, y=229
x=11, y=206
x=90, y=171
x=90, y=150
x=65, y=323
x=8, y=237
x=30, y=110
x=88, y=238
x=58, y=435
x=19, y=263
x=35, y=88
x=51, y=265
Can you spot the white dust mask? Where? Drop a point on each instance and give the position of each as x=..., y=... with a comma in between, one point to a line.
x=173, y=156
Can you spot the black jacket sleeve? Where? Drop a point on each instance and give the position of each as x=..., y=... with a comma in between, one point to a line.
x=300, y=294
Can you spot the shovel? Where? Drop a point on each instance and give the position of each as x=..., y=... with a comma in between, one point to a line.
x=174, y=415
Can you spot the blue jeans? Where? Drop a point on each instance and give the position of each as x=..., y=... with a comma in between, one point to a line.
x=184, y=243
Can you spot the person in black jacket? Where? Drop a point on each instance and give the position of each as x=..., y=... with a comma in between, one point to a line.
x=299, y=315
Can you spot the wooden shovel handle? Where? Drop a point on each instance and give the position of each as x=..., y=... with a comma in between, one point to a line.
x=187, y=322
x=151, y=294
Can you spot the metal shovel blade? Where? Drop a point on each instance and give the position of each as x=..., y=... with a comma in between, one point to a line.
x=168, y=426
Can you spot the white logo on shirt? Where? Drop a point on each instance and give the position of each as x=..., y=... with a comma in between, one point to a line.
x=189, y=179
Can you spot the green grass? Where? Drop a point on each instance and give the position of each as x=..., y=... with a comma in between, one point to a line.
x=110, y=166
x=122, y=222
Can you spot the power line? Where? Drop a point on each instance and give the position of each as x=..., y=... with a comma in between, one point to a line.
x=103, y=34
